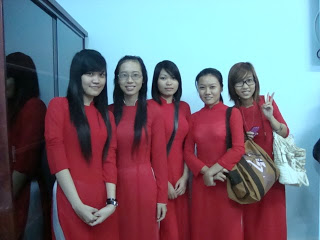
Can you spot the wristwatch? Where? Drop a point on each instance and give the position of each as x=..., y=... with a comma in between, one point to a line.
x=112, y=201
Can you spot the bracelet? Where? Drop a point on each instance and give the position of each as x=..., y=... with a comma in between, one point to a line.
x=280, y=128
x=112, y=201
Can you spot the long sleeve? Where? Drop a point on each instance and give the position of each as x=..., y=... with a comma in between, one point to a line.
x=54, y=122
x=159, y=157
x=194, y=163
x=109, y=165
x=233, y=155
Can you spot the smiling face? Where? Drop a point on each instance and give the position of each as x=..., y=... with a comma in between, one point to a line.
x=209, y=90
x=130, y=78
x=246, y=91
x=167, y=85
x=92, y=84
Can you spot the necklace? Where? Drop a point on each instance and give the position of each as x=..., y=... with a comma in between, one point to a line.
x=124, y=101
x=244, y=119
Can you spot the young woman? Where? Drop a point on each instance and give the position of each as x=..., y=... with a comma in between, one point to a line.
x=26, y=113
x=267, y=218
x=166, y=93
x=81, y=145
x=213, y=214
x=141, y=158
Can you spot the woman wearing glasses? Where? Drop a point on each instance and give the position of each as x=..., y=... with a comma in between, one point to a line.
x=141, y=159
x=261, y=117
x=81, y=148
x=213, y=214
x=166, y=93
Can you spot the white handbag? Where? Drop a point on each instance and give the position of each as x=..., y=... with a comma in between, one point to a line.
x=290, y=160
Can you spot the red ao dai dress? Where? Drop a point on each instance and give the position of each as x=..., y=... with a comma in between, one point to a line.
x=265, y=219
x=64, y=152
x=213, y=214
x=142, y=176
x=176, y=224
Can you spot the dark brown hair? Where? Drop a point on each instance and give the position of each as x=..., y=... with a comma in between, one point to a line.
x=238, y=73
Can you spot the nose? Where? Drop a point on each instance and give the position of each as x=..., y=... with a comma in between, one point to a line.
x=95, y=78
x=129, y=80
x=207, y=91
x=169, y=82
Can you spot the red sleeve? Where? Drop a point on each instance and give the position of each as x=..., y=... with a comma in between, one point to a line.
x=234, y=154
x=159, y=156
x=109, y=166
x=186, y=109
x=194, y=163
x=277, y=115
x=30, y=140
x=54, y=123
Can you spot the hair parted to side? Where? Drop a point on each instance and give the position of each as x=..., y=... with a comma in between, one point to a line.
x=172, y=69
x=22, y=69
x=174, y=72
x=238, y=73
x=140, y=121
x=83, y=62
x=211, y=71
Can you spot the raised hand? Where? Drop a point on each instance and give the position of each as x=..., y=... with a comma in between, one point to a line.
x=267, y=107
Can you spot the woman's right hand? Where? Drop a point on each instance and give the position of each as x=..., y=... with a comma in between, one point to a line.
x=86, y=213
x=171, y=192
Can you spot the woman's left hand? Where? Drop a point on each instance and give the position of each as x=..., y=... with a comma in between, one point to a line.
x=161, y=211
x=181, y=185
x=267, y=107
x=103, y=214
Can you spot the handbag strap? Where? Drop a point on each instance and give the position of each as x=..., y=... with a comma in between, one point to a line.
x=228, y=133
x=175, y=126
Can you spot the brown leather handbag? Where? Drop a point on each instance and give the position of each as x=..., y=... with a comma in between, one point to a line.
x=252, y=177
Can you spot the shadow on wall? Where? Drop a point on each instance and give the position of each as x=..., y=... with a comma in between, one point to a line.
x=304, y=201
x=314, y=27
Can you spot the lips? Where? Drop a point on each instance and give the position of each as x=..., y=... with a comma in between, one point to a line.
x=168, y=89
x=130, y=88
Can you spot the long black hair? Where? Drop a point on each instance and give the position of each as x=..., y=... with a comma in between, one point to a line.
x=118, y=97
x=174, y=72
x=211, y=71
x=83, y=62
x=22, y=69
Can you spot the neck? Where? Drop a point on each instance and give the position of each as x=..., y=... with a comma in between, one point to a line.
x=246, y=102
x=169, y=99
x=130, y=100
x=87, y=100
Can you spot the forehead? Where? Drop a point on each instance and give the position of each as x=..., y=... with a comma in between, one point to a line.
x=208, y=80
x=130, y=66
x=164, y=72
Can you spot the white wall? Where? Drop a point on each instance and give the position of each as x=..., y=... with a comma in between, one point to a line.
x=276, y=36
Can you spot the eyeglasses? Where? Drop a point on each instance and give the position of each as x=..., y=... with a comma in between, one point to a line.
x=249, y=82
x=124, y=76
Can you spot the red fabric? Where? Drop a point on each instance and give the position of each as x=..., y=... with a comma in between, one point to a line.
x=26, y=138
x=63, y=151
x=142, y=177
x=176, y=224
x=266, y=219
x=213, y=214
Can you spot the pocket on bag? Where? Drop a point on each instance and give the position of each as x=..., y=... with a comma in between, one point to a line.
x=237, y=184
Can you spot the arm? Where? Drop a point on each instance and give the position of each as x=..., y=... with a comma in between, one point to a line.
x=109, y=175
x=272, y=113
x=67, y=185
x=233, y=155
x=58, y=161
x=159, y=163
x=181, y=184
x=194, y=163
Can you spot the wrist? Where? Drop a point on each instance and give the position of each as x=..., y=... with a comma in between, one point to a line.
x=112, y=201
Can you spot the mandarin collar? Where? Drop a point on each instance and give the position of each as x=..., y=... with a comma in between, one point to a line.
x=164, y=101
x=215, y=107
